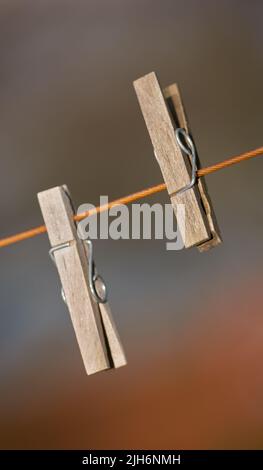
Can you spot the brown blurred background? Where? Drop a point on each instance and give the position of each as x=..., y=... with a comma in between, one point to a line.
x=192, y=324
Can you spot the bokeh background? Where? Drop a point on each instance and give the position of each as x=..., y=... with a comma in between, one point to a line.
x=191, y=323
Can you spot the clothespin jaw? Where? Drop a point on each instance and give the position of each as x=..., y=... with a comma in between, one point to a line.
x=163, y=113
x=94, y=327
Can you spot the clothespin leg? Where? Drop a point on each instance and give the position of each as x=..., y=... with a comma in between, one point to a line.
x=116, y=352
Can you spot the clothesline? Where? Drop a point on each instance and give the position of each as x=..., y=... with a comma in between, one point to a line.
x=132, y=197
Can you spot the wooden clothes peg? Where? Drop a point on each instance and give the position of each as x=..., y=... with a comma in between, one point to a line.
x=94, y=327
x=164, y=113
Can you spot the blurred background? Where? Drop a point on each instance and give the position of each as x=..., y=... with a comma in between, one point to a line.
x=191, y=323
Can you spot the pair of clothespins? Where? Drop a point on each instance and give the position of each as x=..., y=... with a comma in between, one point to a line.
x=83, y=290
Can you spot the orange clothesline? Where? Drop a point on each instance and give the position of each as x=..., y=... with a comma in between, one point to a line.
x=133, y=197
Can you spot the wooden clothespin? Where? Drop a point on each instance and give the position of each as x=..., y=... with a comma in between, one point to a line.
x=84, y=294
x=166, y=123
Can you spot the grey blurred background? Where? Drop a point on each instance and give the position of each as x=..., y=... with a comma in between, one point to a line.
x=191, y=323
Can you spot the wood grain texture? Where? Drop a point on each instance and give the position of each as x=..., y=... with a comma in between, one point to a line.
x=174, y=165
x=175, y=104
x=72, y=265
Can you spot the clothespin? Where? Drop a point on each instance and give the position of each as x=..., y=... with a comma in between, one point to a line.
x=82, y=289
x=167, y=125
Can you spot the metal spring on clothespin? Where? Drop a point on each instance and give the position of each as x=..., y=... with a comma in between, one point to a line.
x=93, y=276
x=191, y=152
